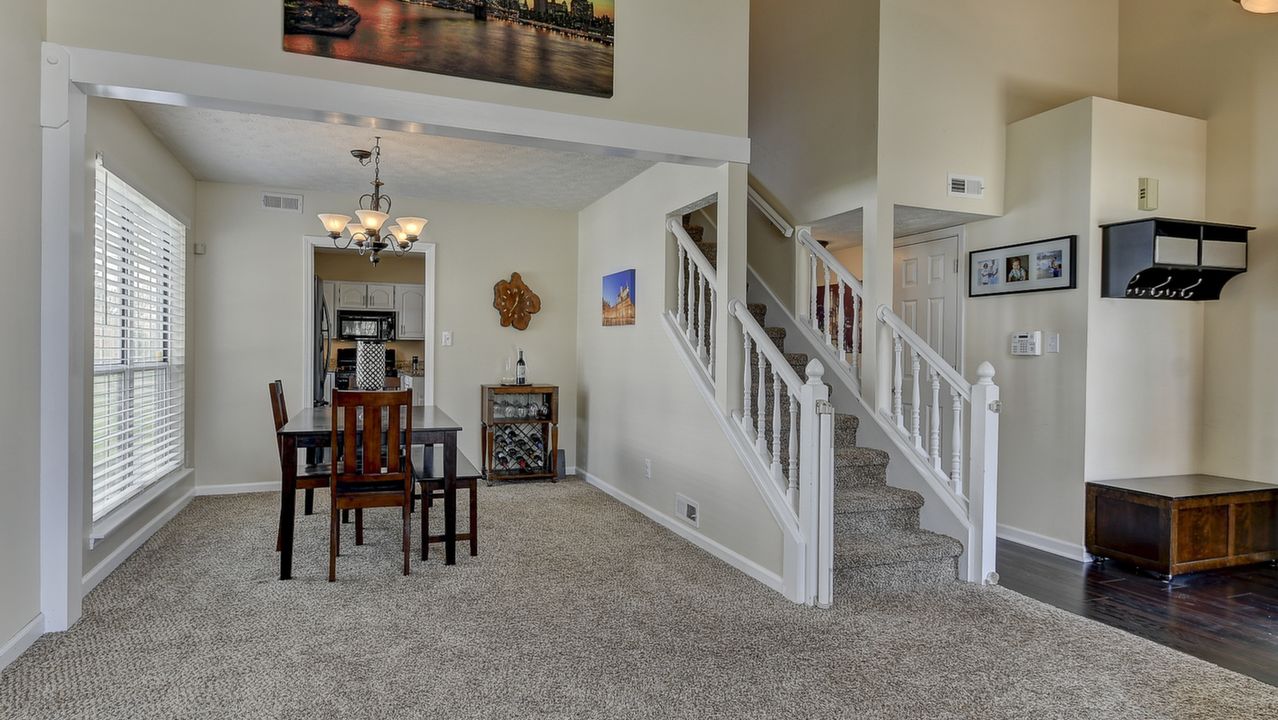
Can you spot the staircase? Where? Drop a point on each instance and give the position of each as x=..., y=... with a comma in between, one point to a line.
x=878, y=544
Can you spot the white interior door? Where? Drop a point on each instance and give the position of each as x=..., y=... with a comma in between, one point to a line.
x=926, y=292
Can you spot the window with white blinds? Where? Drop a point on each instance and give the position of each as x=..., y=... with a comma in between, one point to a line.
x=139, y=312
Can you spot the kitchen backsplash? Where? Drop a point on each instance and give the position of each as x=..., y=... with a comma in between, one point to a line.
x=404, y=352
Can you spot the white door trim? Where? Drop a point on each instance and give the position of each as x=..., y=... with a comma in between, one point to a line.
x=189, y=84
x=309, y=244
x=959, y=232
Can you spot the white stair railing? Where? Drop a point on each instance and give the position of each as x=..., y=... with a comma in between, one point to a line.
x=949, y=424
x=697, y=299
x=834, y=305
x=789, y=423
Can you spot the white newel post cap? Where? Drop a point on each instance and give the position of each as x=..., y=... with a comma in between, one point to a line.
x=815, y=371
x=985, y=374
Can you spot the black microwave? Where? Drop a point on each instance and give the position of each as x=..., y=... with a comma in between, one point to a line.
x=375, y=325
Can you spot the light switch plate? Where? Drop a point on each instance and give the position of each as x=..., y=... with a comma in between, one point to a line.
x=446, y=338
x=1053, y=342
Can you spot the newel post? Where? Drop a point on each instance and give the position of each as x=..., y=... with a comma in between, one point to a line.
x=982, y=476
x=816, y=486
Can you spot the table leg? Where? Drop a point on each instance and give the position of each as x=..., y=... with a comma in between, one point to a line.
x=450, y=499
x=288, y=501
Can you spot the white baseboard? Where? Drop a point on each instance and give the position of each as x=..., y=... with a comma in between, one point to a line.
x=1042, y=542
x=135, y=541
x=19, y=643
x=238, y=488
x=731, y=557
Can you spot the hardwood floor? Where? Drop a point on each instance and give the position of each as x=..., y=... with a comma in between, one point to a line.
x=1226, y=617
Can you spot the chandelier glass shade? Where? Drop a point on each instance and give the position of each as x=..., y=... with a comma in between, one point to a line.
x=1262, y=7
x=365, y=233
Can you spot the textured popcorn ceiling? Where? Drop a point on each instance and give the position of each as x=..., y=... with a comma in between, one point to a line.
x=230, y=147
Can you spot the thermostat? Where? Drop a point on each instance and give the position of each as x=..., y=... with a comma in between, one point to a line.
x=1027, y=343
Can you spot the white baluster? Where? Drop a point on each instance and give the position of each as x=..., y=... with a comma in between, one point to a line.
x=746, y=421
x=761, y=439
x=701, y=317
x=956, y=440
x=690, y=300
x=934, y=418
x=842, y=322
x=897, y=381
x=829, y=307
x=915, y=437
x=680, y=316
x=812, y=285
x=713, y=332
x=794, y=446
x=777, y=382
x=856, y=334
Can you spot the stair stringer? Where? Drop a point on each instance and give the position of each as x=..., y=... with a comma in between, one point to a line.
x=792, y=557
x=940, y=512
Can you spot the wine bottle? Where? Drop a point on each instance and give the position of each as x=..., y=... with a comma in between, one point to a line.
x=521, y=370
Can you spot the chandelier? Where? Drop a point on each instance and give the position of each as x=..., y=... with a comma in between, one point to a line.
x=374, y=209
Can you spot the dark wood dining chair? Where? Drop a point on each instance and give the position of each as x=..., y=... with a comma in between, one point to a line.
x=358, y=479
x=432, y=489
x=310, y=477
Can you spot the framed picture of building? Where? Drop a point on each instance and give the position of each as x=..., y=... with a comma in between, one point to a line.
x=619, y=298
x=563, y=45
x=1027, y=267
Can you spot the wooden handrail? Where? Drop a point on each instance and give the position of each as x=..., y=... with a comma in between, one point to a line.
x=780, y=365
x=919, y=345
x=769, y=212
x=694, y=252
x=814, y=246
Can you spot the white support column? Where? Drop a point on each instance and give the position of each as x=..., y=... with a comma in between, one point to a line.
x=64, y=272
x=877, y=253
x=729, y=283
x=983, y=476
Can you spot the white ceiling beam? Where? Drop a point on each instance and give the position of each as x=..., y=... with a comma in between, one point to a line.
x=165, y=81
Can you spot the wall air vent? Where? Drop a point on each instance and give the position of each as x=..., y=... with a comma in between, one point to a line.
x=968, y=186
x=282, y=202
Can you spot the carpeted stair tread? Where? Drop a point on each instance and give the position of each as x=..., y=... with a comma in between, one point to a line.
x=869, y=498
x=777, y=336
x=859, y=457
x=893, y=546
x=845, y=427
x=758, y=311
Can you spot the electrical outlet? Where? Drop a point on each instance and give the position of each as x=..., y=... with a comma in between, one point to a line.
x=446, y=338
x=647, y=468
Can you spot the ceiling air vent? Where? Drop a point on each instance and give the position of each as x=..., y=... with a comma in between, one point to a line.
x=968, y=186
x=282, y=202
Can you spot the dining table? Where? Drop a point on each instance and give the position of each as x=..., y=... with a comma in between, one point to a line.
x=313, y=428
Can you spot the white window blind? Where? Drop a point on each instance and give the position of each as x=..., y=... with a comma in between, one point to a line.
x=139, y=312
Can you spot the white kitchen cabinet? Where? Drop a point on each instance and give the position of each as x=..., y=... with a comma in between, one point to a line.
x=381, y=296
x=351, y=296
x=410, y=308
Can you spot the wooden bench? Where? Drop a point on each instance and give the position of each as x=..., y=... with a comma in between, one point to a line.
x=1182, y=523
x=431, y=487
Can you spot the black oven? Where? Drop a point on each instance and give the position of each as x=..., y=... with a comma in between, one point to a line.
x=378, y=326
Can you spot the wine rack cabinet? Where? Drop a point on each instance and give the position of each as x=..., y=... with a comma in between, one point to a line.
x=520, y=432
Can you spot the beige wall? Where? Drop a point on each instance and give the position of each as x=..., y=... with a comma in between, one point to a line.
x=248, y=309
x=813, y=104
x=1041, y=428
x=133, y=153
x=1144, y=358
x=20, y=36
x=953, y=74
x=1217, y=62
x=637, y=399
x=677, y=64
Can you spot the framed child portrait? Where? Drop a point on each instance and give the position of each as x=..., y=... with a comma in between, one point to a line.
x=1027, y=267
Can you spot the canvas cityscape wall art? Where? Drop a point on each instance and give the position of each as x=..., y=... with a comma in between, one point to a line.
x=564, y=45
x=619, y=298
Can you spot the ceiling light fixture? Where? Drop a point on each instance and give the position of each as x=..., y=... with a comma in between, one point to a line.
x=1263, y=7
x=374, y=211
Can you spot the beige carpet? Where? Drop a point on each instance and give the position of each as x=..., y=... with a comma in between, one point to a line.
x=576, y=608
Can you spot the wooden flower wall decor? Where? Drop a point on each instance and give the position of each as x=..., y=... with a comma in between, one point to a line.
x=516, y=302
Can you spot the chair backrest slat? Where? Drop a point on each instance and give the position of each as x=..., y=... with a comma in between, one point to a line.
x=390, y=440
